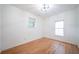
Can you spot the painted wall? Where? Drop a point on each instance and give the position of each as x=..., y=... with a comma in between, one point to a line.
x=15, y=27
x=77, y=25
x=71, y=26
x=0, y=25
x=16, y=30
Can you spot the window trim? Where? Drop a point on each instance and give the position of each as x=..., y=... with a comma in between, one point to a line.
x=59, y=28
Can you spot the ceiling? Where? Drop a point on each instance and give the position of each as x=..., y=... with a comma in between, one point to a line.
x=53, y=10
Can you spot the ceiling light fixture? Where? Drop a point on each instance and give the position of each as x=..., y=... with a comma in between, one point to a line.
x=45, y=7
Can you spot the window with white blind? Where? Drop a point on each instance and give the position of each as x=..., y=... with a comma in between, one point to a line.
x=59, y=28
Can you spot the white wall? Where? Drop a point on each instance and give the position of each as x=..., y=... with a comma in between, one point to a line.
x=0, y=25
x=71, y=26
x=15, y=27
x=77, y=25
x=16, y=31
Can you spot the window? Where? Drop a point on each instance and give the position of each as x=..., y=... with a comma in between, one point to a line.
x=59, y=28
x=31, y=22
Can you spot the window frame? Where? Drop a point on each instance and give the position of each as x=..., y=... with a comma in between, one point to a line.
x=59, y=28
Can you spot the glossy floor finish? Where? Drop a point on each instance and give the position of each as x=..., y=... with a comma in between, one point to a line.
x=44, y=46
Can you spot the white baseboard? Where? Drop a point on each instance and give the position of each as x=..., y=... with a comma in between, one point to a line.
x=22, y=43
x=40, y=38
x=61, y=39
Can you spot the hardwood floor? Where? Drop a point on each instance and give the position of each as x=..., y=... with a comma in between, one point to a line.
x=44, y=46
x=0, y=51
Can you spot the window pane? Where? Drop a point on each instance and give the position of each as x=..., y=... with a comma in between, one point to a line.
x=59, y=32
x=59, y=24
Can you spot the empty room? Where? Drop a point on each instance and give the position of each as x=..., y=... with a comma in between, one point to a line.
x=39, y=28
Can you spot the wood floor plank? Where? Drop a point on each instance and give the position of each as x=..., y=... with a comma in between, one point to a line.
x=42, y=46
